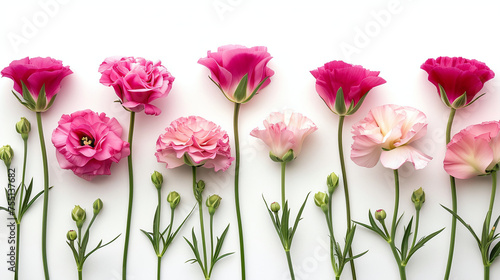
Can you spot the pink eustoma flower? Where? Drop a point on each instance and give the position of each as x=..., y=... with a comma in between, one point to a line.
x=387, y=134
x=137, y=82
x=458, y=77
x=238, y=71
x=473, y=151
x=37, y=73
x=196, y=142
x=284, y=131
x=353, y=80
x=87, y=143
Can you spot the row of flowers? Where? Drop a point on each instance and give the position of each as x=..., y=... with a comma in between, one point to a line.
x=88, y=143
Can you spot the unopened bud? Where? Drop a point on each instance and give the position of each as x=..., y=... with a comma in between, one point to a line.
x=380, y=215
x=157, y=179
x=418, y=198
x=321, y=200
x=332, y=181
x=213, y=203
x=79, y=216
x=71, y=235
x=275, y=207
x=97, y=206
x=198, y=190
x=6, y=154
x=23, y=127
x=173, y=198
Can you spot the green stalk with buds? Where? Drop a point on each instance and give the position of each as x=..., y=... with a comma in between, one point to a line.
x=158, y=239
x=79, y=249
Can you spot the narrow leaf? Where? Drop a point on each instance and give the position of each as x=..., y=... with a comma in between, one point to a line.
x=340, y=106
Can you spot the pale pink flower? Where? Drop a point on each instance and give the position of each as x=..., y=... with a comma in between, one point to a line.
x=473, y=151
x=194, y=141
x=87, y=143
x=386, y=134
x=285, y=131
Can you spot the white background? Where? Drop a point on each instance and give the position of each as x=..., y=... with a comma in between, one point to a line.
x=392, y=36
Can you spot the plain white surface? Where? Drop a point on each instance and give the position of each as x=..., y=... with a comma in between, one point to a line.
x=394, y=37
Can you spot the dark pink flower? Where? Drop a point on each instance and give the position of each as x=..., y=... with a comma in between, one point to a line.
x=37, y=73
x=458, y=77
x=238, y=71
x=87, y=143
x=196, y=142
x=353, y=80
x=137, y=82
x=473, y=151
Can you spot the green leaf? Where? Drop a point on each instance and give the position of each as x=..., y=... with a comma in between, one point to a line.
x=340, y=106
x=34, y=199
x=444, y=97
x=22, y=102
x=75, y=253
x=41, y=102
x=404, y=241
x=495, y=252
x=28, y=97
x=218, y=247
x=460, y=102
x=275, y=224
x=99, y=246
x=240, y=93
x=194, y=248
x=149, y=236
x=474, y=100
x=358, y=105
x=467, y=226
x=256, y=90
x=296, y=224
x=421, y=243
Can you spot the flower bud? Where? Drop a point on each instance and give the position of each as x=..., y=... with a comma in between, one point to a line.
x=275, y=207
x=213, y=203
x=71, y=235
x=6, y=154
x=97, y=206
x=173, y=198
x=157, y=179
x=289, y=156
x=418, y=198
x=380, y=215
x=23, y=127
x=321, y=200
x=332, y=181
x=79, y=216
x=198, y=190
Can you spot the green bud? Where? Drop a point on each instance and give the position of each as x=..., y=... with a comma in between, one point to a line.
x=173, y=198
x=97, y=206
x=321, y=199
x=289, y=156
x=6, y=154
x=418, y=198
x=157, y=179
x=380, y=215
x=332, y=181
x=23, y=127
x=71, y=235
x=213, y=203
x=198, y=190
x=275, y=207
x=79, y=216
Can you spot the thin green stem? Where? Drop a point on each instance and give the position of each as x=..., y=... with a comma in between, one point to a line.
x=492, y=198
x=236, y=187
x=283, y=168
x=290, y=266
x=130, y=195
x=21, y=198
x=158, y=269
x=45, y=195
x=211, y=245
x=417, y=221
x=346, y=188
x=202, y=226
x=454, y=202
x=486, y=272
x=402, y=271
x=80, y=275
x=332, y=240
x=18, y=232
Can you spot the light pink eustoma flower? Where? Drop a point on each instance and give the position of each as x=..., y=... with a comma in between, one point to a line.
x=284, y=131
x=386, y=134
x=473, y=151
x=196, y=142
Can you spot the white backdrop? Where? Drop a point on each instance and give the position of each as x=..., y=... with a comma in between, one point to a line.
x=391, y=36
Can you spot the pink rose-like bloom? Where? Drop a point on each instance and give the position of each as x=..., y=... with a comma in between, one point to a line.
x=36, y=73
x=87, y=143
x=194, y=141
x=354, y=80
x=473, y=151
x=457, y=76
x=231, y=63
x=137, y=82
x=284, y=131
x=386, y=134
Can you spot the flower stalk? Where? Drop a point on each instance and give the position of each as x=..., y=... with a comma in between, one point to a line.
x=130, y=195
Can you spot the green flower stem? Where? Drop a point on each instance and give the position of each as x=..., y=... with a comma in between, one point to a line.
x=158, y=270
x=290, y=266
x=346, y=189
x=80, y=275
x=283, y=199
x=202, y=226
x=211, y=245
x=486, y=272
x=130, y=195
x=454, y=202
x=402, y=271
x=45, y=195
x=488, y=221
x=18, y=232
x=332, y=240
x=19, y=215
x=236, y=187
x=417, y=221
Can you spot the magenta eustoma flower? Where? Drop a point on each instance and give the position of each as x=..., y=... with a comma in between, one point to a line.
x=473, y=151
x=137, y=82
x=196, y=142
x=37, y=73
x=87, y=143
x=458, y=77
x=284, y=132
x=387, y=134
x=353, y=81
x=238, y=71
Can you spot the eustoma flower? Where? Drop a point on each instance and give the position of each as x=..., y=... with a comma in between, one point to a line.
x=387, y=134
x=343, y=87
x=137, y=82
x=87, y=143
x=240, y=73
x=38, y=81
x=197, y=142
